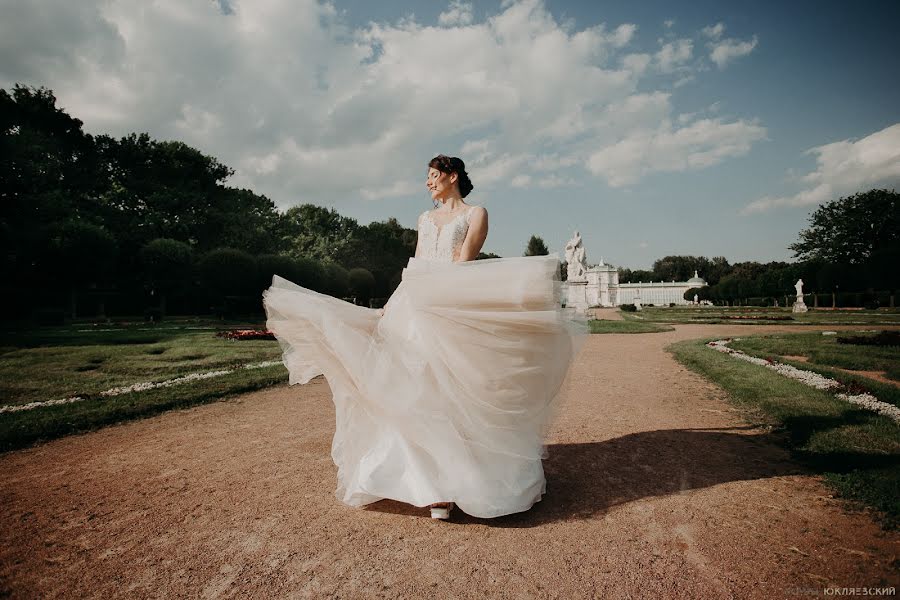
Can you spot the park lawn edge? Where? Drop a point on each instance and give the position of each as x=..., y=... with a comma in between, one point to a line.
x=28, y=428
x=883, y=391
x=602, y=326
x=855, y=451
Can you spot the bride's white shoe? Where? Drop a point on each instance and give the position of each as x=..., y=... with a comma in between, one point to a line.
x=441, y=512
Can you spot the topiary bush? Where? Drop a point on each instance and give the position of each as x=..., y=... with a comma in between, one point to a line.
x=337, y=280
x=228, y=271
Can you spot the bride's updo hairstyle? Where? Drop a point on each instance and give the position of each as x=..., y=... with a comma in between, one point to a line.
x=452, y=164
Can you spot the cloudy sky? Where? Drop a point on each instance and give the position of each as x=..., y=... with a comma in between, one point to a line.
x=653, y=127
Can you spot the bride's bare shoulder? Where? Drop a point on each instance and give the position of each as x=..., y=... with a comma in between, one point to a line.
x=477, y=212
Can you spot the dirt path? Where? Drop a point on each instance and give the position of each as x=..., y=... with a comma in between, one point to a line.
x=656, y=488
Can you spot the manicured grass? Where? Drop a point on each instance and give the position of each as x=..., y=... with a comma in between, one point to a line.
x=857, y=451
x=627, y=326
x=21, y=429
x=62, y=362
x=768, y=316
x=826, y=350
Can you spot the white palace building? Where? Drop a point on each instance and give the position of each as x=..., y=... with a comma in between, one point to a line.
x=599, y=285
x=603, y=289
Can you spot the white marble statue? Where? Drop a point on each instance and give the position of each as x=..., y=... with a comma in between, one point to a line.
x=576, y=259
x=696, y=298
x=799, y=304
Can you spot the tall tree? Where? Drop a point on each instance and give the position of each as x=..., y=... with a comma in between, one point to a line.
x=536, y=247
x=636, y=275
x=49, y=175
x=317, y=232
x=167, y=265
x=79, y=253
x=850, y=230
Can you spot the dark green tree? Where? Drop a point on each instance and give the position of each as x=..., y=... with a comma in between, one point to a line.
x=636, y=275
x=320, y=233
x=850, y=230
x=167, y=264
x=536, y=247
x=49, y=176
x=228, y=272
x=362, y=284
x=80, y=254
x=337, y=280
x=384, y=249
x=702, y=293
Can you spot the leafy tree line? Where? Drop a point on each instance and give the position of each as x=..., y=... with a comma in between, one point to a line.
x=136, y=222
x=849, y=252
x=131, y=223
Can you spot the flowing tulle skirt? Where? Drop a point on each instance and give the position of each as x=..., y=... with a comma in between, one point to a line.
x=447, y=397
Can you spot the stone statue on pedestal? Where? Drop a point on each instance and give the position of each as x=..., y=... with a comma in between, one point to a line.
x=799, y=304
x=576, y=259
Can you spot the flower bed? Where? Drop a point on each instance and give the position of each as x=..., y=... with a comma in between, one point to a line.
x=814, y=380
x=246, y=334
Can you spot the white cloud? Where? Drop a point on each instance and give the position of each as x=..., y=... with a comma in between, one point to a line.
x=674, y=54
x=306, y=108
x=844, y=168
x=725, y=51
x=714, y=31
x=458, y=13
x=700, y=144
x=521, y=181
x=394, y=190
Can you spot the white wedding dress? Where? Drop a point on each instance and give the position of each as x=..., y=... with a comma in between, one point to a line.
x=446, y=398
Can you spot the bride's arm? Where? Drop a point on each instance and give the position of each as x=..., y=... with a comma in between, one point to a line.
x=478, y=230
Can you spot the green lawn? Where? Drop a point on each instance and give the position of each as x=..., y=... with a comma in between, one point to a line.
x=857, y=451
x=627, y=326
x=768, y=316
x=81, y=360
x=826, y=350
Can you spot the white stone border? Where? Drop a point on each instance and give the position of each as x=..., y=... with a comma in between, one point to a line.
x=815, y=380
x=138, y=387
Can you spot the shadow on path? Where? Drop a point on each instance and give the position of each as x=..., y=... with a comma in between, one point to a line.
x=590, y=478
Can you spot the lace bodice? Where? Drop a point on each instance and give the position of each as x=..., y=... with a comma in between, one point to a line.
x=443, y=243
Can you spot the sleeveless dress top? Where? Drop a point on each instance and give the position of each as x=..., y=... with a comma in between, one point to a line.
x=443, y=243
x=447, y=396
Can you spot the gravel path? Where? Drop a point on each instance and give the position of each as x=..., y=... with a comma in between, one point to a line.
x=656, y=488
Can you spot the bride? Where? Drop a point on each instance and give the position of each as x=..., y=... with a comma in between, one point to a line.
x=443, y=397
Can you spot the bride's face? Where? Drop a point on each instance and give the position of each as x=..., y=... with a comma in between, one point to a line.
x=441, y=184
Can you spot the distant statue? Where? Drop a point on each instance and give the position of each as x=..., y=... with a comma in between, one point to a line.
x=799, y=304
x=696, y=298
x=576, y=259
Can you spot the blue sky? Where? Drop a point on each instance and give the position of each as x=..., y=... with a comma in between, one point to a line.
x=654, y=128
